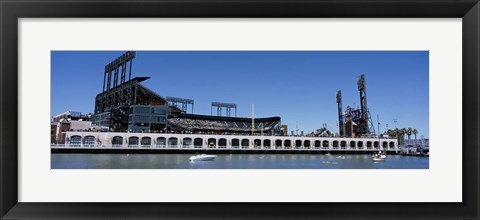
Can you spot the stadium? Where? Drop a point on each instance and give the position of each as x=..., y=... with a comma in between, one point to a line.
x=129, y=117
x=125, y=105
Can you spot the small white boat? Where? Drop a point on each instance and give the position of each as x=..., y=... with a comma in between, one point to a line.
x=340, y=157
x=379, y=157
x=202, y=157
x=329, y=162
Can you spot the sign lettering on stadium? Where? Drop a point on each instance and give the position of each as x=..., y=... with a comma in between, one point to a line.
x=127, y=56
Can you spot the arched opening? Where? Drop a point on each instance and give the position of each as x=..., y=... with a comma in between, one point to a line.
x=117, y=141
x=187, y=143
x=89, y=141
x=343, y=144
x=298, y=143
x=384, y=145
x=352, y=144
x=306, y=144
x=325, y=144
x=287, y=144
x=212, y=142
x=267, y=143
x=198, y=143
x=146, y=141
x=245, y=143
x=75, y=140
x=369, y=145
x=392, y=145
x=257, y=143
x=222, y=143
x=376, y=145
x=133, y=141
x=161, y=142
x=360, y=144
x=235, y=143
x=335, y=144
x=317, y=144
x=278, y=144
x=172, y=142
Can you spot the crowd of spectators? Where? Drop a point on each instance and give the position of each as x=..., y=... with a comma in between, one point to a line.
x=218, y=125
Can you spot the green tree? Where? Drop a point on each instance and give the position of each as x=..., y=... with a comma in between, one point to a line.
x=415, y=132
x=397, y=134
x=391, y=133
x=409, y=134
x=402, y=135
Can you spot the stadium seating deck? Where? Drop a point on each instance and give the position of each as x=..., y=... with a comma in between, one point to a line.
x=192, y=123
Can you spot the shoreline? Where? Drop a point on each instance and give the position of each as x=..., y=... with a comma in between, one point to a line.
x=210, y=151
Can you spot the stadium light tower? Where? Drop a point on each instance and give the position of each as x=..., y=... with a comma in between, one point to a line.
x=253, y=118
x=183, y=101
x=341, y=116
x=220, y=105
x=112, y=97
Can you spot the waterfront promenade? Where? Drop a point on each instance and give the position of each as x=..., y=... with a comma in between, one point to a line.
x=187, y=143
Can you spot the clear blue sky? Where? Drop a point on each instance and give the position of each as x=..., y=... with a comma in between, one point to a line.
x=298, y=86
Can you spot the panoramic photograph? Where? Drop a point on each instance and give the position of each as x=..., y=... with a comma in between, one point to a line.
x=239, y=110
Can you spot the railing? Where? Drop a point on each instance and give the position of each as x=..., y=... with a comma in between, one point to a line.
x=175, y=146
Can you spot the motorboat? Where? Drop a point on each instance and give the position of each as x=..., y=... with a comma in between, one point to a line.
x=379, y=157
x=202, y=157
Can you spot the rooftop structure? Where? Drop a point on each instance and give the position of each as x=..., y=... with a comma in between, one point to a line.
x=128, y=106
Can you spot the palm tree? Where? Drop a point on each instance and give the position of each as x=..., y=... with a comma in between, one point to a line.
x=415, y=132
x=402, y=135
x=391, y=133
x=387, y=132
x=397, y=133
x=409, y=134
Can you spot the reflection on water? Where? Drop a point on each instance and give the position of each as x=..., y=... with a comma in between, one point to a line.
x=232, y=161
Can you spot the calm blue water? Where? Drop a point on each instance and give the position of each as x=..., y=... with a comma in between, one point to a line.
x=233, y=161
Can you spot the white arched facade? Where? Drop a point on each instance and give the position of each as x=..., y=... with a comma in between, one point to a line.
x=199, y=141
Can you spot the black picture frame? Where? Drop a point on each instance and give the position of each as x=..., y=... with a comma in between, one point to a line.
x=11, y=11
